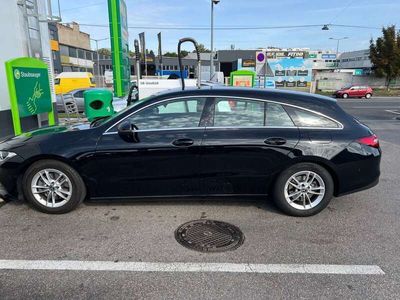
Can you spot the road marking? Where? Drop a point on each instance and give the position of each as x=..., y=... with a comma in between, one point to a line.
x=377, y=107
x=393, y=112
x=71, y=265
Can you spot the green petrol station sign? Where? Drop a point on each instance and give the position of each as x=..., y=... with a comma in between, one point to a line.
x=29, y=88
x=119, y=46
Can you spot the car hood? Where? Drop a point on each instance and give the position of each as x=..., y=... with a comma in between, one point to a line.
x=36, y=135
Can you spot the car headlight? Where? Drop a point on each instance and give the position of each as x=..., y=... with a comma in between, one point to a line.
x=4, y=155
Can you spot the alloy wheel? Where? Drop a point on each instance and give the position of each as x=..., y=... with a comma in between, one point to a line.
x=51, y=188
x=304, y=190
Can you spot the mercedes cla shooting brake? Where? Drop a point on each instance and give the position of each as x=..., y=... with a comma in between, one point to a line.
x=299, y=149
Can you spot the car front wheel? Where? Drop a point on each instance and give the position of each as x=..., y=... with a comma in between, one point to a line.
x=345, y=96
x=53, y=187
x=303, y=190
x=368, y=96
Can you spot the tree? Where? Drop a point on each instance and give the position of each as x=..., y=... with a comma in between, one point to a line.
x=105, y=51
x=385, y=54
x=203, y=49
x=174, y=54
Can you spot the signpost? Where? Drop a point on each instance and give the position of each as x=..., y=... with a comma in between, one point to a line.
x=29, y=88
x=119, y=46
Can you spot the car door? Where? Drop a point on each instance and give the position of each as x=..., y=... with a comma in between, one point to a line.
x=245, y=145
x=78, y=95
x=164, y=158
x=353, y=92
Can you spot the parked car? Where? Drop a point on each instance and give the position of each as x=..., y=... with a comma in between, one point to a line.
x=118, y=103
x=69, y=81
x=356, y=91
x=300, y=149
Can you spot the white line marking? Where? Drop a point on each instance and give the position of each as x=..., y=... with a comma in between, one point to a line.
x=70, y=265
x=393, y=112
x=377, y=107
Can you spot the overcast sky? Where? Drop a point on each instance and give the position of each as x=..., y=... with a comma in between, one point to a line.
x=244, y=13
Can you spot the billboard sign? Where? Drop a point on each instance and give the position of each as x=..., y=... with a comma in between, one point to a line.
x=29, y=88
x=328, y=56
x=291, y=72
x=118, y=17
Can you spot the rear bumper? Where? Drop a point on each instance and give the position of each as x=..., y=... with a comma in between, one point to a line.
x=362, y=188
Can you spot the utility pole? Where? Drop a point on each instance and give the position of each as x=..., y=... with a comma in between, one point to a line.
x=212, y=39
x=337, y=49
x=98, y=56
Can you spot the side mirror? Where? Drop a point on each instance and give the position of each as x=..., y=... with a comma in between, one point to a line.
x=128, y=132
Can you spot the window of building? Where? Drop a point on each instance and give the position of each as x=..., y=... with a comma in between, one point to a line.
x=88, y=55
x=81, y=53
x=72, y=52
x=64, y=50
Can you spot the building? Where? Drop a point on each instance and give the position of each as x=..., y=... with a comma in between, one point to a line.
x=19, y=41
x=72, y=51
x=358, y=61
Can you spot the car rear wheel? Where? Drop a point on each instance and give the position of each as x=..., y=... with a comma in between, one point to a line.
x=303, y=190
x=368, y=96
x=53, y=187
x=345, y=96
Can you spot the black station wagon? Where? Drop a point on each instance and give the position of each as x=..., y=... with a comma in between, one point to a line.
x=300, y=149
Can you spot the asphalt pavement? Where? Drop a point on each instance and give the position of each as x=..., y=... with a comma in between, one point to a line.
x=128, y=250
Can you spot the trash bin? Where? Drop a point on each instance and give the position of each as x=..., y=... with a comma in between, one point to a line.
x=98, y=103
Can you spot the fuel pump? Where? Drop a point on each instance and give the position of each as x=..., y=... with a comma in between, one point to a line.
x=194, y=42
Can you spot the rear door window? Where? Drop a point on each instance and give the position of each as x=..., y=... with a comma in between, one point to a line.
x=276, y=116
x=239, y=113
x=304, y=118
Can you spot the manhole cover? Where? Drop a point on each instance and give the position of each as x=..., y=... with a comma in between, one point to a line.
x=209, y=236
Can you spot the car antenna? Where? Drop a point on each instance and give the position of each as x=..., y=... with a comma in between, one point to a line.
x=194, y=42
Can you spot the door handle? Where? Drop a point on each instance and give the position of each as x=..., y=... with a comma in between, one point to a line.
x=183, y=142
x=276, y=141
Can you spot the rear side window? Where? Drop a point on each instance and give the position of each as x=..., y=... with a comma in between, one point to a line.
x=239, y=113
x=304, y=118
x=57, y=81
x=277, y=116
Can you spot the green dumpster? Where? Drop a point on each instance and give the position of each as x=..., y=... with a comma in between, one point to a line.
x=98, y=103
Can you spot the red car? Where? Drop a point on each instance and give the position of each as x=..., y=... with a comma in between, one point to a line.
x=356, y=91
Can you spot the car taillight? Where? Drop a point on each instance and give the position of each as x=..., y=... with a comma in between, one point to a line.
x=371, y=141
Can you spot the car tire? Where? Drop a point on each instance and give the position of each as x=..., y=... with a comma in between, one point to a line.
x=345, y=96
x=319, y=192
x=53, y=187
x=368, y=96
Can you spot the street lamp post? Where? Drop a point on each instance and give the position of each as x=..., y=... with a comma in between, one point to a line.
x=337, y=48
x=212, y=39
x=97, y=51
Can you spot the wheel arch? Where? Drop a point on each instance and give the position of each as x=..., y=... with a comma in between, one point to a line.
x=321, y=162
x=37, y=158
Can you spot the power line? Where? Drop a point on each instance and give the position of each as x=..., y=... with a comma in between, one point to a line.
x=206, y=28
x=342, y=10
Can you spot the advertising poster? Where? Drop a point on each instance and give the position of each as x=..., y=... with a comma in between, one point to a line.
x=291, y=72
